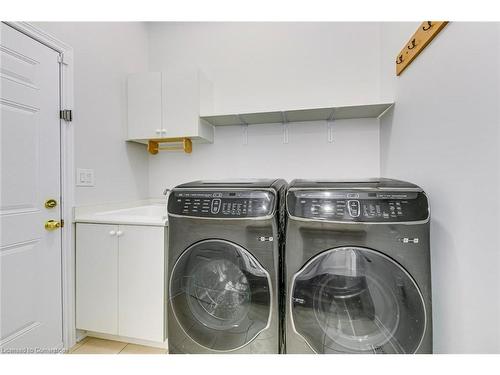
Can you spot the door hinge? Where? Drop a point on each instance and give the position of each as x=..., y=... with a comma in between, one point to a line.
x=66, y=115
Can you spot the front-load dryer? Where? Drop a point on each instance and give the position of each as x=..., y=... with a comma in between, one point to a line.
x=224, y=264
x=358, y=277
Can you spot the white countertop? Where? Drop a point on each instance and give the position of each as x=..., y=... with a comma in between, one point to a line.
x=145, y=212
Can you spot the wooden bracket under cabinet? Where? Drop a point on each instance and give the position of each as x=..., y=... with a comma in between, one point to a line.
x=176, y=144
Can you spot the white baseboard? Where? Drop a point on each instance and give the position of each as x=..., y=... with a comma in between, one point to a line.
x=80, y=335
x=130, y=340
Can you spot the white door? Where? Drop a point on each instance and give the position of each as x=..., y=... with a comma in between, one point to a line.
x=97, y=278
x=141, y=297
x=30, y=255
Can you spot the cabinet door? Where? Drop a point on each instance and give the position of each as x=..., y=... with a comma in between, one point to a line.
x=144, y=106
x=181, y=105
x=97, y=278
x=141, y=282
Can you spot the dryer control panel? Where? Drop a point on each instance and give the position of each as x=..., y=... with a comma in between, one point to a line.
x=221, y=203
x=358, y=206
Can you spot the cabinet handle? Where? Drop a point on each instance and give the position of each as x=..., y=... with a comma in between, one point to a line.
x=164, y=131
x=112, y=233
x=158, y=131
x=119, y=233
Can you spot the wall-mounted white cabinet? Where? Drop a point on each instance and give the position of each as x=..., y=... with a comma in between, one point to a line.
x=120, y=280
x=168, y=105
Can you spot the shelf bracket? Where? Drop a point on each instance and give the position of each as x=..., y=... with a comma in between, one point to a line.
x=245, y=134
x=329, y=127
x=285, y=127
x=245, y=130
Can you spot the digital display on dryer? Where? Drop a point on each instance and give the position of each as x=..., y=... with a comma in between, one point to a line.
x=358, y=206
x=221, y=204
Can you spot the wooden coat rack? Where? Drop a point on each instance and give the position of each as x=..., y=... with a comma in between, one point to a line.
x=419, y=40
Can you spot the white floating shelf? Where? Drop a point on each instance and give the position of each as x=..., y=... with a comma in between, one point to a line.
x=300, y=115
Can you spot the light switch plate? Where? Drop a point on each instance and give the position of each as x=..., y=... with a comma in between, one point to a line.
x=84, y=177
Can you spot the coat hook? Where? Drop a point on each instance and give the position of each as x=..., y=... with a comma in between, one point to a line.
x=429, y=23
x=413, y=44
x=399, y=60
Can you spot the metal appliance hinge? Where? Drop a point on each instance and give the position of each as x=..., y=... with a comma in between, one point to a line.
x=265, y=239
x=66, y=115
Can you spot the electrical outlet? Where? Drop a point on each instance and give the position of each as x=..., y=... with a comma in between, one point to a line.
x=84, y=177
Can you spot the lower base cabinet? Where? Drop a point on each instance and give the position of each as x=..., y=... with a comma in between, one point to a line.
x=120, y=280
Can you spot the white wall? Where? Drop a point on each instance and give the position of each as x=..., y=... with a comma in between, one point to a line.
x=105, y=53
x=443, y=135
x=263, y=66
x=260, y=66
x=308, y=154
x=393, y=35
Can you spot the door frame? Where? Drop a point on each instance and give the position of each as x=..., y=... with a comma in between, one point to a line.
x=66, y=83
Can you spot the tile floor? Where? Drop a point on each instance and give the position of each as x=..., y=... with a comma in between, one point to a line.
x=91, y=345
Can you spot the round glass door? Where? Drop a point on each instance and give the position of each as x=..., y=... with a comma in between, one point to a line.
x=220, y=295
x=356, y=300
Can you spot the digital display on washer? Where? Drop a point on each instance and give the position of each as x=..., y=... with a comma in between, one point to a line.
x=221, y=203
x=362, y=206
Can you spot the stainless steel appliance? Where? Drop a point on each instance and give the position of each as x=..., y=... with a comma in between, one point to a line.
x=224, y=254
x=358, y=277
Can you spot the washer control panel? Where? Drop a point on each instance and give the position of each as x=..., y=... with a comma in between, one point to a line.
x=362, y=206
x=221, y=203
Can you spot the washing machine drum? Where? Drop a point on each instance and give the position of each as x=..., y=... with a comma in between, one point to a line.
x=356, y=300
x=220, y=295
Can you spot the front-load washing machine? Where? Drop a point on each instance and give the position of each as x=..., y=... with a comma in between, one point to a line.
x=224, y=263
x=358, y=277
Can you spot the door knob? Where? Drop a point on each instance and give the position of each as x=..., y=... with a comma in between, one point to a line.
x=52, y=225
